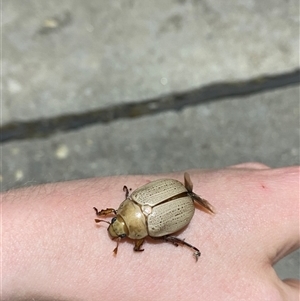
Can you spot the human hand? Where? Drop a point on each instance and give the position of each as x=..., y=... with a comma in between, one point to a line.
x=52, y=249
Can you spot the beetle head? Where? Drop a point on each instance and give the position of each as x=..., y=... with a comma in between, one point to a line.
x=117, y=227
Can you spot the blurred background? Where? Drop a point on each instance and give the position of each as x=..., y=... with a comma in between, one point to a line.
x=94, y=88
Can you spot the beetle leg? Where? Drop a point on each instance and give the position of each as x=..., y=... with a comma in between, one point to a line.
x=116, y=248
x=177, y=241
x=126, y=190
x=188, y=182
x=105, y=211
x=137, y=245
x=202, y=202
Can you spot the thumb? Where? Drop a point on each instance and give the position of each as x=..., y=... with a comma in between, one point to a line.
x=291, y=289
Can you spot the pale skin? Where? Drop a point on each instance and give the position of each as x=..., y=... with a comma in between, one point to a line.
x=53, y=249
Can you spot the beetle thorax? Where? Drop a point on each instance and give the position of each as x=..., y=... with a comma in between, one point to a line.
x=134, y=219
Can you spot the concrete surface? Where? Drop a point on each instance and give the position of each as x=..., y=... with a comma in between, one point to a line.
x=71, y=56
x=262, y=127
x=76, y=56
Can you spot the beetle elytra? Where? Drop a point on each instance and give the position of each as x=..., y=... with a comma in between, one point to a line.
x=157, y=209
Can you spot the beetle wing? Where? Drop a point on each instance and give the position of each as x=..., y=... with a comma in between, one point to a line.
x=157, y=192
x=170, y=217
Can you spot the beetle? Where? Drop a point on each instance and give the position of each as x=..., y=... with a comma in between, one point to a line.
x=157, y=209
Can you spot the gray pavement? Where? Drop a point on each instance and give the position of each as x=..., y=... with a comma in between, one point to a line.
x=66, y=57
x=72, y=56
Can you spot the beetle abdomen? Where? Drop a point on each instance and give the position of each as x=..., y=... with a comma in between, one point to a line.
x=171, y=216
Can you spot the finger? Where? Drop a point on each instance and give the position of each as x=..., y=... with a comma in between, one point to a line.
x=292, y=289
x=287, y=180
x=293, y=283
x=250, y=165
x=269, y=206
x=278, y=199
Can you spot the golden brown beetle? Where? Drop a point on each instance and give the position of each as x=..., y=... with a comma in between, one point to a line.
x=157, y=209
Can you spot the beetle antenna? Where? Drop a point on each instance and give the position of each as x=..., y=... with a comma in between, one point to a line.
x=101, y=220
